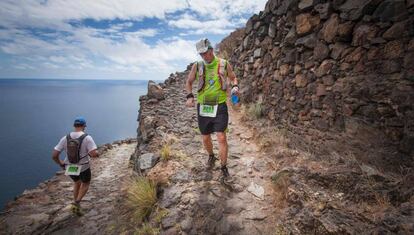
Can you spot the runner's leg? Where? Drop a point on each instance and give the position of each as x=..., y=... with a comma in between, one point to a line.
x=208, y=144
x=76, y=187
x=223, y=148
x=82, y=191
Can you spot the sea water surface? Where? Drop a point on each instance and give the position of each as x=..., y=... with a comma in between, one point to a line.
x=36, y=113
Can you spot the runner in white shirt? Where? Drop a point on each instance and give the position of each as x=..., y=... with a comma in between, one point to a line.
x=82, y=172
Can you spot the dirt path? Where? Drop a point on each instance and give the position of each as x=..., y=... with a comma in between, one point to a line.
x=46, y=209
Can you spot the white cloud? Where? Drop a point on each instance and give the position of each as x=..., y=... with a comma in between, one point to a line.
x=53, y=12
x=62, y=42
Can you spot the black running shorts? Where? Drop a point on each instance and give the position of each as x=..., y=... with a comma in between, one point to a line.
x=208, y=125
x=84, y=176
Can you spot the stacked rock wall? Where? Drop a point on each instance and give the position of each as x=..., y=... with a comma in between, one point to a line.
x=341, y=66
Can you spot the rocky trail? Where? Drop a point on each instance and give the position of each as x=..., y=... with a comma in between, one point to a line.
x=196, y=199
x=46, y=209
x=276, y=188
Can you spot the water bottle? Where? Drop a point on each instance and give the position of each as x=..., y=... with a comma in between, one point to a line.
x=234, y=98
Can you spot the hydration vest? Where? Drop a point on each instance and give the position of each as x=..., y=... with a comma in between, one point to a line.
x=221, y=72
x=73, y=148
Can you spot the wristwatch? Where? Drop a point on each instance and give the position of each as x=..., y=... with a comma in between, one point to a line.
x=190, y=96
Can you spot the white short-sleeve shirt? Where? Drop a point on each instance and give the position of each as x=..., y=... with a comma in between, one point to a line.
x=87, y=146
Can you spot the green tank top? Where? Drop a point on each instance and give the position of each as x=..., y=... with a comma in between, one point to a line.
x=211, y=93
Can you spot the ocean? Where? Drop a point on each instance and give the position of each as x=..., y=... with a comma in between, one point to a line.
x=36, y=113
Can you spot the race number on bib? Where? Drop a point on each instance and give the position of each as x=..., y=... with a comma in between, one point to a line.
x=73, y=170
x=208, y=110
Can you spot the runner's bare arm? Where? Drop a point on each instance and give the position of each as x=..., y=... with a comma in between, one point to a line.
x=231, y=75
x=190, y=79
x=94, y=153
x=189, y=85
x=55, y=157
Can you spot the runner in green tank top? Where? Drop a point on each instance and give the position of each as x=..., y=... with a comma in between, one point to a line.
x=212, y=74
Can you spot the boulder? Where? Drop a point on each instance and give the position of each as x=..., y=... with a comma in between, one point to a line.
x=363, y=34
x=324, y=68
x=286, y=5
x=307, y=4
x=321, y=51
x=345, y=31
x=147, y=161
x=258, y=53
x=256, y=190
x=155, y=91
x=330, y=28
x=324, y=10
x=307, y=41
x=301, y=80
x=355, y=9
x=395, y=31
x=305, y=23
x=391, y=10
x=393, y=49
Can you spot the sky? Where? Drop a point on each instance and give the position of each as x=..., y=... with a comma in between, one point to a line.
x=111, y=39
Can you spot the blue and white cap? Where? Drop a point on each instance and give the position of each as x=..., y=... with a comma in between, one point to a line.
x=80, y=121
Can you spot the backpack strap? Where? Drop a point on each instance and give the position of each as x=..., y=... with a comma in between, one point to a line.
x=201, y=76
x=81, y=138
x=222, y=73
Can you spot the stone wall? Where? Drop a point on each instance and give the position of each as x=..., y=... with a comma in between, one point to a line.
x=341, y=66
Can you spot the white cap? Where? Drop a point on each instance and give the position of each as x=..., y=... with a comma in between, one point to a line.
x=203, y=45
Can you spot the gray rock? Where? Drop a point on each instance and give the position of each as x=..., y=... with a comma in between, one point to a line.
x=147, y=160
x=255, y=215
x=307, y=4
x=272, y=30
x=223, y=227
x=181, y=176
x=291, y=36
x=256, y=190
x=171, y=219
x=258, y=53
x=249, y=25
x=307, y=41
x=395, y=31
x=155, y=91
x=323, y=10
x=321, y=51
x=355, y=9
x=186, y=224
x=286, y=5
x=391, y=10
x=234, y=206
x=171, y=196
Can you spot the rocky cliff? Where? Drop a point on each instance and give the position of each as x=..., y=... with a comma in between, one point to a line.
x=339, y=71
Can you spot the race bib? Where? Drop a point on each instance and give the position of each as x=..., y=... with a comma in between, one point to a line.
x=208, y=110
x=73, y=170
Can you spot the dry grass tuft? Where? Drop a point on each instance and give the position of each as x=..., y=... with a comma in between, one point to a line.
x=281, y=182
x=141, y=198
x=271, y=138
x=166, y=152
x=160, y=213
x=255, y=110
x=169, y=139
